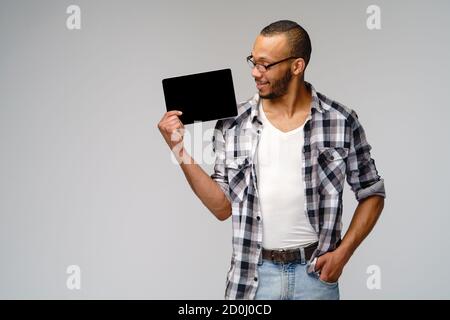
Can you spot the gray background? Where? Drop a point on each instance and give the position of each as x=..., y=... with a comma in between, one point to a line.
x=87, y=179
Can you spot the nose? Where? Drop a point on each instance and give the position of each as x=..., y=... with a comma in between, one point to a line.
x=256, y=73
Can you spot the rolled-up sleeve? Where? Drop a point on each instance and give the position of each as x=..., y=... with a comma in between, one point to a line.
x=218, y=145
x=362, y=174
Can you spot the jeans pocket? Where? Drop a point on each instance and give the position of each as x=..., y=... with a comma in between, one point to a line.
x=330, y=284
x=316, y=275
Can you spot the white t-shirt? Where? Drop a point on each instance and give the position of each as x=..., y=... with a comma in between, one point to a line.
x=281, y=188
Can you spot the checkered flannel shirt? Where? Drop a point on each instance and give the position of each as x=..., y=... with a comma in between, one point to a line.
x=335, y=149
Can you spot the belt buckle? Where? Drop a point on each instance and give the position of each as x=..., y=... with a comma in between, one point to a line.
x=278, y=255
x=283, y=255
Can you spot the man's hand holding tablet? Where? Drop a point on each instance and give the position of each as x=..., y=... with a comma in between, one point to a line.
x=172, y=130
x=196, y=97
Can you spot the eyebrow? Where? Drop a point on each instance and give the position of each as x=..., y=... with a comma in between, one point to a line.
x=262, y=58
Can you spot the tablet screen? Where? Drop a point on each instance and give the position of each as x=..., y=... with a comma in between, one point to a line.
x=202, y=96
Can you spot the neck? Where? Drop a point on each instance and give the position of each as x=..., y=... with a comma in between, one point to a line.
x=296, y=100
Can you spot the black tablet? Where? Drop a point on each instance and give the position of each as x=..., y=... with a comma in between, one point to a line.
x=202, y=96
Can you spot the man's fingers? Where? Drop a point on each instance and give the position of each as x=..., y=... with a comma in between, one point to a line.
x=176, y=135
x=167, y=125
x=171, y=118
x=172, y=126
x=319, y=263
x=175, y=128
x=173, y=121
x=169, y=115
x=173, y=113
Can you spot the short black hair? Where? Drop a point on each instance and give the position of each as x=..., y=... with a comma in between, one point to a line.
x=298, y=38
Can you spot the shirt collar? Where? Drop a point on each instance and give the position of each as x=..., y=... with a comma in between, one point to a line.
x=315, y=104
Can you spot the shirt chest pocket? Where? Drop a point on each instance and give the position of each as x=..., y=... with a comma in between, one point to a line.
x=238, y=144
x=331, y=169
x=238, y=173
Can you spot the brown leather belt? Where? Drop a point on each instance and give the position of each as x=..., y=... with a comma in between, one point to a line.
x=288, y=255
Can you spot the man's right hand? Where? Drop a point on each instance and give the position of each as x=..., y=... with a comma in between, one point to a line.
x=206, y=189
x=172, y=129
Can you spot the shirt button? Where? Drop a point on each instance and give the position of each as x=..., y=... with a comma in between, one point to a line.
x=258, y=246
x=255, y=278
x=258, y=218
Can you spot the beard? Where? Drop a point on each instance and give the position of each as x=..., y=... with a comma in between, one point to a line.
x=279, y=87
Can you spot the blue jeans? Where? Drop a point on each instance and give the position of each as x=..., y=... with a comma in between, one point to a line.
x=290, y=281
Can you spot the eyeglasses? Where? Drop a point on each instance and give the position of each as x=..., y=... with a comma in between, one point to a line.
x=263, y=68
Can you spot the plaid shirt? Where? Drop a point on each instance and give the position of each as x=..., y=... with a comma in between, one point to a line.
x=335, y=148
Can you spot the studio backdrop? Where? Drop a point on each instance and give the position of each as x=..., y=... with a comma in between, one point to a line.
x=92, y=204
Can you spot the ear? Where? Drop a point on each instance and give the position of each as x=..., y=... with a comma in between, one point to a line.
x=298, y=67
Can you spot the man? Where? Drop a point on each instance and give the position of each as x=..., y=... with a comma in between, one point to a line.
x=279, y=172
